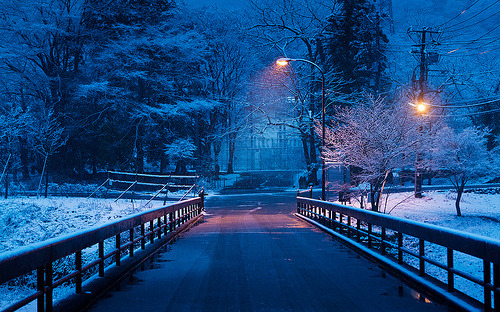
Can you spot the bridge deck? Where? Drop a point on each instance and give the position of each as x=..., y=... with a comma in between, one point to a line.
x=252, y=254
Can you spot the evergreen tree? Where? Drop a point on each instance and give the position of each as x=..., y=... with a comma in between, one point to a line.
x=352, y=46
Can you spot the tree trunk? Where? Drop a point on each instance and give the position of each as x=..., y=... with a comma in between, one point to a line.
x=23, y=142
x=41, y=176
x=6, y=177
x=163, y=162
x=232, y=148
x=140, y=149
x=217, y=148
x=375, y=195
x=46, y=183
x=180, y=167
x=460, y=191
x=303, y=138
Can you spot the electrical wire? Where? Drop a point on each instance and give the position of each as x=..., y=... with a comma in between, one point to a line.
x=448, y=43
x=467, y=115
x=497, y=1
x=462, y=54
x=458, y=15
x=465, y=106
x=481, y=21
x=490, y=31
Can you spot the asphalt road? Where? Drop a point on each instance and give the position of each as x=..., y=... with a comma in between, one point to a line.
x=252, y=254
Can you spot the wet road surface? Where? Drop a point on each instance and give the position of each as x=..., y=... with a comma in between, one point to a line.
x=252, y=254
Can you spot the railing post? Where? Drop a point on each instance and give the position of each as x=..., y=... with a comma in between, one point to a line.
x=349, y=226
x=165, y=227
x=40, y=286
x=202, y=204
x=487, y=282
x=158, y=223
x=358, y=229
x=449, y=266
x=143, y=236
x=369, y=235
x=118, y=249
x=496, y=285
x=151, y=229
x=298, y=205
x=382, y=242
x=78, y=267
x=101, y=257
x=48, y=285
x=421, y=253
x=400, y=246
x=171, y=222
x=341, y=222
x=131, y=237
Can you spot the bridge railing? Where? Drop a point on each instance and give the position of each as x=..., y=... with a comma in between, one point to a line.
x=401, y=245
x=306, y=193
x=125, y=236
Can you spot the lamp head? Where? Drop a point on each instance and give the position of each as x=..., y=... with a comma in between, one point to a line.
x=421, y=108
x=283, y=61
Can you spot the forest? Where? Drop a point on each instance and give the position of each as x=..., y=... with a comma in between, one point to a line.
x=89, y=86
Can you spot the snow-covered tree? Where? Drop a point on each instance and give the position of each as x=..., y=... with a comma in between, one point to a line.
x=463, y=155
x=353, y=45
x=180, y=151
x=375, y=137
x=46, y=138
x=295, y=29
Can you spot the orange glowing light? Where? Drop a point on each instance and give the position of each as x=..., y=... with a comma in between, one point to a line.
x=282, y=62
x=421, y=107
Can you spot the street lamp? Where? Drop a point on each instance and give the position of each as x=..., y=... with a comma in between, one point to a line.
x=283, y=62
x=421, y=108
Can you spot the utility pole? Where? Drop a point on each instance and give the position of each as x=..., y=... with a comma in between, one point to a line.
x=425, y=58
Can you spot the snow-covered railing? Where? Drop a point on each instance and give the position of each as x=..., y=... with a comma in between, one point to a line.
x=306, y=193
x=400, y=245
x=105, y=248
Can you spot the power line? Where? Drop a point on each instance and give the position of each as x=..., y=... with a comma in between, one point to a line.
x=469, y=53
x=468, y=115
x=468, y=41
x=497, y=1
x=458, y=15
x=481, y=21
x=490, y=31
x=465, y=106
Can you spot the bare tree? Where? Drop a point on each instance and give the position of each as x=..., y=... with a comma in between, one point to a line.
x=46, y=138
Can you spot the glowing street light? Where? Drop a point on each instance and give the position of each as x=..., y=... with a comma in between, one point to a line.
x=284, y=62
x=422, y=108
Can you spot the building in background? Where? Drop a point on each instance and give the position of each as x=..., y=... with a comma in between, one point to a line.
x=277, y=148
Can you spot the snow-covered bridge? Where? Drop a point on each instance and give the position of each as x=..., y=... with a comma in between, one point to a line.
x=251, y=253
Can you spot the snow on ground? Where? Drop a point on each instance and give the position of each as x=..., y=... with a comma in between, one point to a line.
x=26, y=220
x=480, y=212
x=480, y=216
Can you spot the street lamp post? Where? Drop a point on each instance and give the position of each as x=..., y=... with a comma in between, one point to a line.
x=421, y=107
x=283, y=62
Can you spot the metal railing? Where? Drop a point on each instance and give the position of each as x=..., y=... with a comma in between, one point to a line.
x=306, y=193
x=381, y=237
x=129, y=235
